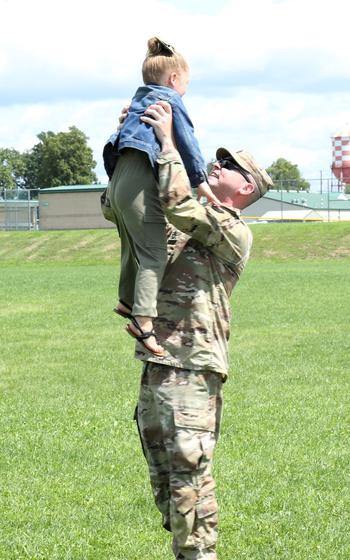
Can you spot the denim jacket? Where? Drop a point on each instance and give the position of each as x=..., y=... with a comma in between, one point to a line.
x=141, y=136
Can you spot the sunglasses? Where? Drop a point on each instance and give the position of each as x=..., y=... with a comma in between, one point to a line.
x=232, y=166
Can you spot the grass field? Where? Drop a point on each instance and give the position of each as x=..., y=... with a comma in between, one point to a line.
x=73, y=482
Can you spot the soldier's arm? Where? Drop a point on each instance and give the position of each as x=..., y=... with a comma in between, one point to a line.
x=219, y=230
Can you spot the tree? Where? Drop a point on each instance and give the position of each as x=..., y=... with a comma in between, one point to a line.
x=32, y=161
x=347, y=189
x=12, y=168
x=62, y=158
x=286, y=176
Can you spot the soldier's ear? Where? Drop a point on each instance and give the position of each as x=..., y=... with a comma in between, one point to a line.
x=247, y=189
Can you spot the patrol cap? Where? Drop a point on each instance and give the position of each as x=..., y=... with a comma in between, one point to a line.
x=247, y=162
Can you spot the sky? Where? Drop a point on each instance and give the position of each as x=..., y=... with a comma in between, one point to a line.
x=269, y=76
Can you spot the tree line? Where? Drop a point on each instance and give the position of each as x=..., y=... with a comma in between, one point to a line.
x=64, y=158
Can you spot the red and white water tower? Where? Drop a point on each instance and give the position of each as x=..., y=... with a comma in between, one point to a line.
x=341, y=156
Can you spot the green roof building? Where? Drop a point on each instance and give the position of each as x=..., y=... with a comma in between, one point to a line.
x=72, y=207
x=333, y=206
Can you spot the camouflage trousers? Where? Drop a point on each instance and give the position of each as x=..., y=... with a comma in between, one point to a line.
x=178, y=416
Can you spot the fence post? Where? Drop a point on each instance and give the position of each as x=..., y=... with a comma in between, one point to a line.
x=328, y=210
x=282, y=201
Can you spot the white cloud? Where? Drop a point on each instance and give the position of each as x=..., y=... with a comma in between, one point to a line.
x=88, y=50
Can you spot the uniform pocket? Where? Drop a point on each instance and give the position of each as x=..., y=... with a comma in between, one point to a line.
x=154, y=233
x=195, y=419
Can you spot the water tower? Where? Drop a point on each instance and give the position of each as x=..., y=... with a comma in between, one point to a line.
x=341, y=156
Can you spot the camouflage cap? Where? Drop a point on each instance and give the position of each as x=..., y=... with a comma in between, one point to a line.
x=247, y=162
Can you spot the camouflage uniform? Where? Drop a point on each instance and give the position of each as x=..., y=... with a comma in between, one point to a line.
x=180, y=401
x=179, y=414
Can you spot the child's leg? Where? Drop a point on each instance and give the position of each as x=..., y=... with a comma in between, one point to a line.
x=128, y=261
x=128, y=266
x=152, y=257
x=136, y=199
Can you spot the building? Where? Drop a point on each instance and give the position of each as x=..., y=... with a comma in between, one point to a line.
x=72, y=207
x=332, y=206
x=302, y=215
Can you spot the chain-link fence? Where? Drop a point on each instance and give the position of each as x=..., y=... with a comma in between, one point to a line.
x=77, y=207
x=320, y=185
x=19, y=209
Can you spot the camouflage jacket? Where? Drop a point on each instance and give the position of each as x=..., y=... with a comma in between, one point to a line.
x=207, y=251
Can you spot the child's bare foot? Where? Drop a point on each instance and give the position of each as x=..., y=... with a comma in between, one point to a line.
x=142, y=329
x=123, y=310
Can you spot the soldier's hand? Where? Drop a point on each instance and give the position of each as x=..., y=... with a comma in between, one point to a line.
x=160, y=117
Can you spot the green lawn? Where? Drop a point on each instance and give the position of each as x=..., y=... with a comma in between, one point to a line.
x=73, y=482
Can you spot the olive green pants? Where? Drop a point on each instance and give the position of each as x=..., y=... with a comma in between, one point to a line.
x=141, y=226
x=178, y=416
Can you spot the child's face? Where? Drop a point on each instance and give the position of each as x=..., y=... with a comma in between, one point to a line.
x=180, y=81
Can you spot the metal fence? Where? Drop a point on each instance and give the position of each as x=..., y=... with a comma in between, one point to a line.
x=320, y=185
x=19, y=209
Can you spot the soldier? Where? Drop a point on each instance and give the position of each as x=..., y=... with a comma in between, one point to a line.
x=180, y=400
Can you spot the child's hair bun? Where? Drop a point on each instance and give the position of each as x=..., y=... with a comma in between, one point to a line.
x=158, y=47
x=161, y=58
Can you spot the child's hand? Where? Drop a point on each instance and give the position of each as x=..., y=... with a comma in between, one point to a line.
x=205, y=190
x=123, y=115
